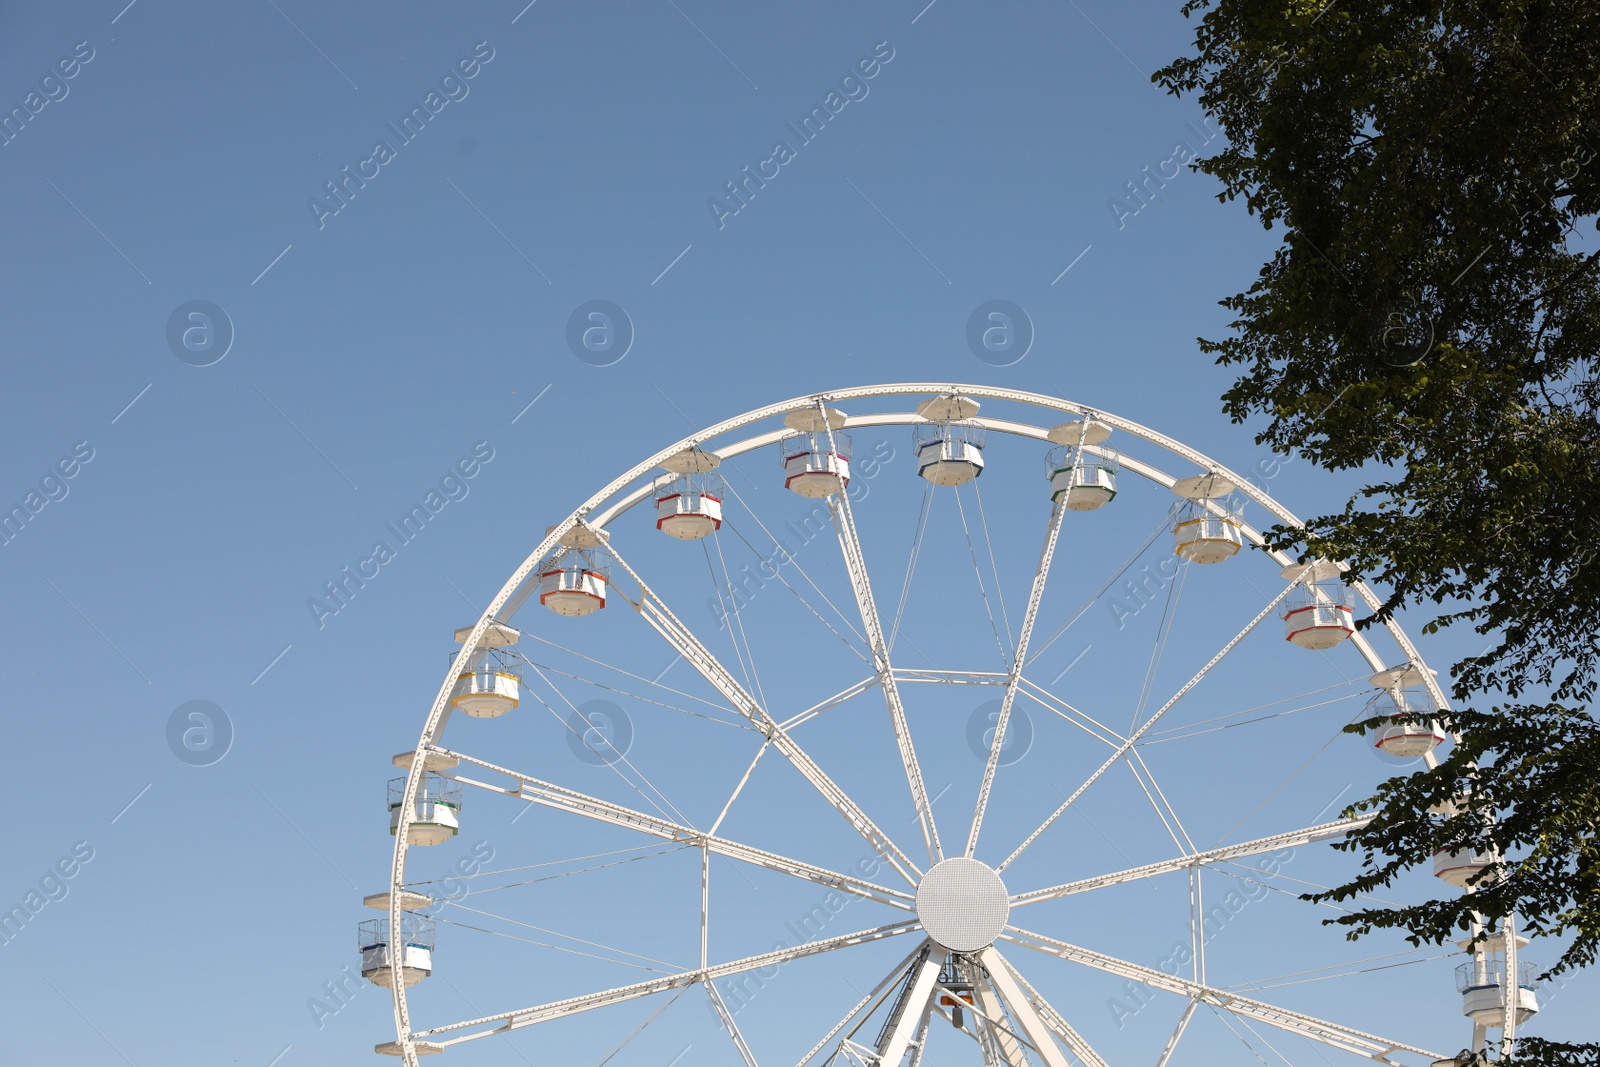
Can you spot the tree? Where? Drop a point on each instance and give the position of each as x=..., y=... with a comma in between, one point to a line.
x=1432, y=319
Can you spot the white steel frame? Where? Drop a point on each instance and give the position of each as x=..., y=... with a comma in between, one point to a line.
x=1011, y=1022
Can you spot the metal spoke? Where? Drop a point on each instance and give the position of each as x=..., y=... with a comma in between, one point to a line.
x=1055, y=1021
x=984, y=1034
x=873, y=997
x=1022, y=1009
x=1014, y=679
x=1177, y=1033
x=1133, y=738
x=831, y=702
x=1158, y=801
x=705, y=905
x=560, y=798
x=856, y=567
x=543, y=667
x=567, y=723
x=796, y=593
x=732, y=1027
x=902, y=675
x=512, y=1020
x=920, y=1042
x=1345, y=1038
x=1094, y=598
x=748, y=771
x=665, y=964
x=628, y=674
x=631, y=1035
x=906, y=1015
x=745, y=655
x=1169, y=615
x=911, y=561
x=790, y=558
x=994, y=564
x=919, y=674
x=695, y=653
x=977, y=569
x=1007, y=1046
x=1074, y=715
x=1293, y=838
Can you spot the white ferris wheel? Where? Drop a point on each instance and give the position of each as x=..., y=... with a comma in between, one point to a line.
x=806, y=749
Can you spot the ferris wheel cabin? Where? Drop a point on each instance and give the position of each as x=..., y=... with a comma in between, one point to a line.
x=949, y=447
x=1403, y=698
x=1321, y=615
x=816, y=457
x=1207, y=533
x=1459, y=868
x=416, y=953
x=575, y=587
x=574, y=582
x=690, y=507
x=1082, y=477
x=490, y=681
x=1482, y=983
x=1402, y=735
x=436, y=818
x=1079, y=479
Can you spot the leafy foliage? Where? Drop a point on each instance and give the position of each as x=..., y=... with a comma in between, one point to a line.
x=1432, y=320
x=1537, y=1052
x=1550, y=873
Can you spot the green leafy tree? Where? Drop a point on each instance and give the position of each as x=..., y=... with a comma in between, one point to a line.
x=1431, y=319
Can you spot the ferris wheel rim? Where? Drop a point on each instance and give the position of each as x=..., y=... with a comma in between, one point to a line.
x=518, y=581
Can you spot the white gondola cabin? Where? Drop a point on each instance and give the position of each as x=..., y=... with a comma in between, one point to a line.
x=1404, y=696
x=575, y=580
x=1482, y=984
x=417, y=934
x=949, y=448
x=816, y=466
x=1207, y=530
x=490, y=682
x=1321, y=614
x=1458, y=868
x=1081, y=478
x=949, y=453
x=816, y=458
x=575, y=587
x=1204, y=535
x=690, y=507
x=1402, y=735
x=436, y=817
x=574, y=583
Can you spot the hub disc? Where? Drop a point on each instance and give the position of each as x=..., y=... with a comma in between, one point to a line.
x=962, y=904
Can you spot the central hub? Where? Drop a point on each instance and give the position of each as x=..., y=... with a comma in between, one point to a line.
x=962, y=904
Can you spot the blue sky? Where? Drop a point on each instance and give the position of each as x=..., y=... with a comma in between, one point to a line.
x=571, y=153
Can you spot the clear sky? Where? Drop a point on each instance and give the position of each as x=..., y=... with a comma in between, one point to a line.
x=387, y=219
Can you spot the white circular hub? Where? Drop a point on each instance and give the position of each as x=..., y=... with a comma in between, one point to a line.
x=962, y=904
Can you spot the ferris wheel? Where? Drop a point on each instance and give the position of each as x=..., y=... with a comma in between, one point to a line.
x=798, y=679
